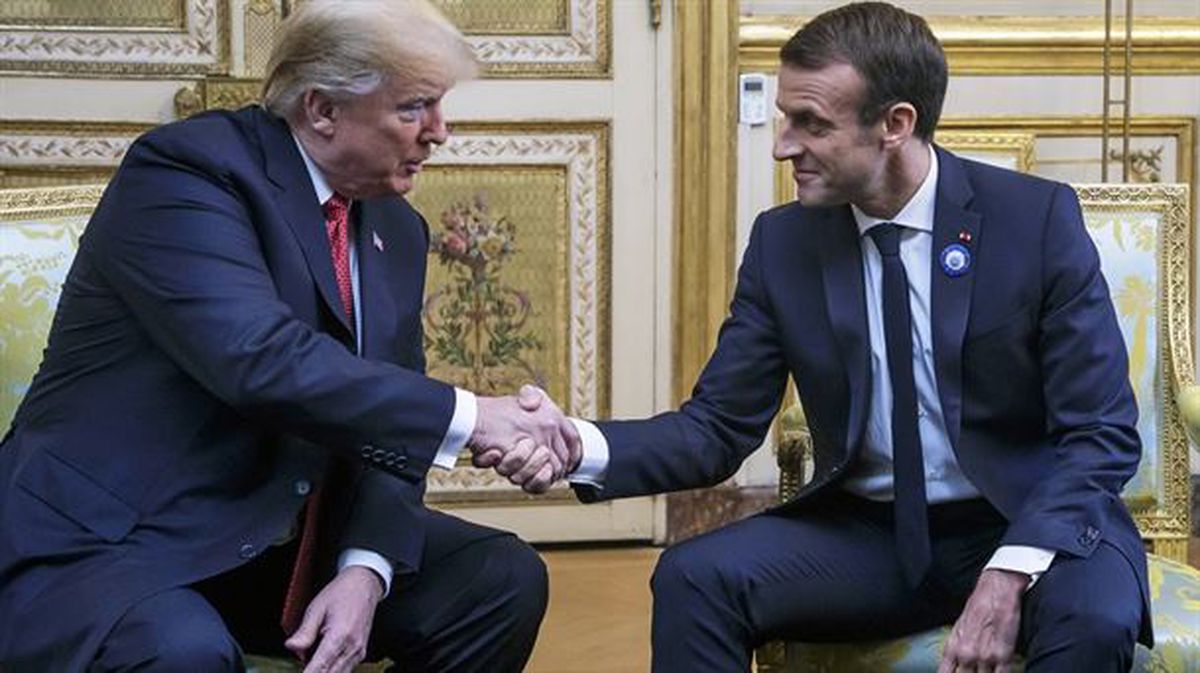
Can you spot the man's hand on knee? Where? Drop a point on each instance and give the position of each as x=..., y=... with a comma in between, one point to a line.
x=338, y=622
x=985, y=636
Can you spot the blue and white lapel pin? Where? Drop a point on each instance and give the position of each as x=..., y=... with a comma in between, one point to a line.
x=956, y=257
x=378, y=242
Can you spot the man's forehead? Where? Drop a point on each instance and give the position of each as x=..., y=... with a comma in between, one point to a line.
x=832, y=85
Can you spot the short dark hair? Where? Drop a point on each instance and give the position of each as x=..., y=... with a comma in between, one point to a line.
x=893, y=51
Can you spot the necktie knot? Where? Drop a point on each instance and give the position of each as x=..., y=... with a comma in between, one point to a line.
x=336, y=208
x=337, y=220
x=886, y=237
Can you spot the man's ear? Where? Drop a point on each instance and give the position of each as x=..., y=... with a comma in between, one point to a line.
x=320, y=112
x=899, y=122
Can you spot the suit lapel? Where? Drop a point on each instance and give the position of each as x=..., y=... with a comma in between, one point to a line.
x=378, y=305
x=951, y=296
x=298, y=203
x=845, y=300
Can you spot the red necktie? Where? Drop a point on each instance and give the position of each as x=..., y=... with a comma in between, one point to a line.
x=300, y=587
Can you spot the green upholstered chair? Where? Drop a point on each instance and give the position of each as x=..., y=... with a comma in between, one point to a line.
x=1143, y=233
x=39, y=234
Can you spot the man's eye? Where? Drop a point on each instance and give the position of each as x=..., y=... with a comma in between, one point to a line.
x=412, y=111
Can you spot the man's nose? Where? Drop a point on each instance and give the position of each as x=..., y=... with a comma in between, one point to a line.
x=785, y=146
x=435, y=130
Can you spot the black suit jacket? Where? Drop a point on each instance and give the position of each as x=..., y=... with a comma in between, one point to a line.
x=1031, y=366
x=199, y=373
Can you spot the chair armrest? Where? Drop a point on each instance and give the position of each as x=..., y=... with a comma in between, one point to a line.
x=1187, y=398
x=794, y=446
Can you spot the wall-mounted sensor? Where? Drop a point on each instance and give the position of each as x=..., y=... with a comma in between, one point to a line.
x=752, y=99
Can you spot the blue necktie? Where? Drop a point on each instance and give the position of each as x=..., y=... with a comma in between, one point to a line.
x=908, y=466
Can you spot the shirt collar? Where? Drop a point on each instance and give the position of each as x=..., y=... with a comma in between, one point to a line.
x=320, y=185
x=917, y=213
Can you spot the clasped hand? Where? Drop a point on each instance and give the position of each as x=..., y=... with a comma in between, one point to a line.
x=525, y=438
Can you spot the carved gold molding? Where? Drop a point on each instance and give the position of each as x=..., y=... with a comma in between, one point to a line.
x=133, y=48
x=38, y=153
x=49, y=202
x=1012, y=45
x=530, y=49
x=581, y=148
x=705, y=181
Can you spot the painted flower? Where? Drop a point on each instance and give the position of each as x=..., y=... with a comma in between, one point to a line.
x=492, y=246
x=454, y=243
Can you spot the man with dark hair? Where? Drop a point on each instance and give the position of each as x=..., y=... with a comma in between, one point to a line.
x=960, y=366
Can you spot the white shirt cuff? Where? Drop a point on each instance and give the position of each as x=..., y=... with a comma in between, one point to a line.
x=368, y=559
x=594, y=464
x=462, y=424
x=1032, y=561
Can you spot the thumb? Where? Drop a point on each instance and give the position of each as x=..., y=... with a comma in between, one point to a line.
x=530, y=397
x=303, y=639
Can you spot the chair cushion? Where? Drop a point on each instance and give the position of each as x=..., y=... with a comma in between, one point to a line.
x=1175, y=603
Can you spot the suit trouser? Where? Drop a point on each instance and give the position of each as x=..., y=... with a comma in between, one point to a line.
x=475, y=605
x=829, y=573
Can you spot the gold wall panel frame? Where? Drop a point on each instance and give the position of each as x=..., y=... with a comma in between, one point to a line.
x=1165, y=523
x=41, y=153
x=200, y=47
x=583, y=51
x=1016, y=147
x=705, y=183
x=582, y=149
x=122, y=14
x=1014, y=45
x=1181, y=129
x=509, y=17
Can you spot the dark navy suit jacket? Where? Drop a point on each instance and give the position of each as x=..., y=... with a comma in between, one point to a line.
x=1031, y=366
x=199, y=371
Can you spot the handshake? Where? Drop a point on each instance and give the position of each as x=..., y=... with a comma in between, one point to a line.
x=525, y=438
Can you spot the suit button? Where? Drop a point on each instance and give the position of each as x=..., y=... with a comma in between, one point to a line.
x=366, y=450
x=248, y=551
x=302, y=487
x=401, y=461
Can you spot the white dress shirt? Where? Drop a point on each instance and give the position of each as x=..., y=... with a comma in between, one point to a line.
x=462, y=422
x=872, y=475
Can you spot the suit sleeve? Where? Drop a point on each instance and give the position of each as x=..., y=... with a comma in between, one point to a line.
x=388, y=515
x=178, y=245
x=1091, y=415
x=729, y=412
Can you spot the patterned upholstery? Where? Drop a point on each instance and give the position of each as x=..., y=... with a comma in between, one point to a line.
x=1143, y=233
x=39, y=232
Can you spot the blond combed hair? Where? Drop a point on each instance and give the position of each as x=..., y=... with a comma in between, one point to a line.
x=346, y=48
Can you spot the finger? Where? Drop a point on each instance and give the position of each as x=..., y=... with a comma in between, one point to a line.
x=325, y=656
x=530, y=397
x=562, y=455
x=948, y=663
x=539, y=459
x=541, y=482
x=302, y=640
x=517, y=457
x=488, y=458
x=346, y=659
x=574, y=442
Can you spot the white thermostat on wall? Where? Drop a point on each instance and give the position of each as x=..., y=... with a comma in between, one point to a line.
x=752, y=98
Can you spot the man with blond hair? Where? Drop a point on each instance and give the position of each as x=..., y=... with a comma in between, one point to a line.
x=231, y=415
